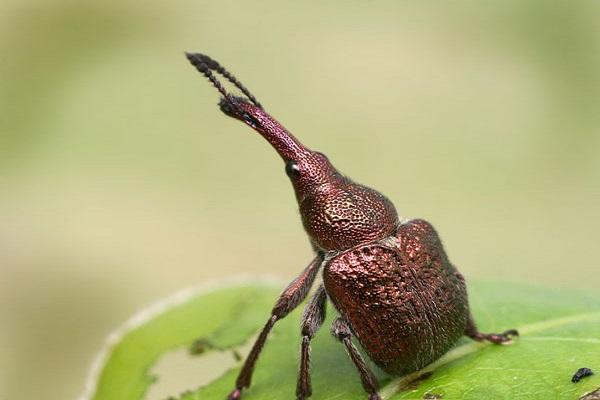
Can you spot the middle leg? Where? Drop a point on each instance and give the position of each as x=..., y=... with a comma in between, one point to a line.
x=312, y=319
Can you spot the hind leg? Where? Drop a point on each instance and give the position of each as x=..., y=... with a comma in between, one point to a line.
x=497, y=338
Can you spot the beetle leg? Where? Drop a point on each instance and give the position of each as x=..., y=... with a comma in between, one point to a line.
x=342, y=332
x=312, y=319
x=289, y=299
x=497, y=338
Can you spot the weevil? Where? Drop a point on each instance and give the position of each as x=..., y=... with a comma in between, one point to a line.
x=390, y=280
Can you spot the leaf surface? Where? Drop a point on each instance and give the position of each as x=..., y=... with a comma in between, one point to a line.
x=560, y=332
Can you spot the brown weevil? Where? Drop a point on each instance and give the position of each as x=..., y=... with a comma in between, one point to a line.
x=390, y=280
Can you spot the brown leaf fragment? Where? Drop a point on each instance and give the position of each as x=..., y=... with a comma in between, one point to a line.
x=595, y=395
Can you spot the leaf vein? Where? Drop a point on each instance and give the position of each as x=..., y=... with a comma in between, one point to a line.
x=396, y=385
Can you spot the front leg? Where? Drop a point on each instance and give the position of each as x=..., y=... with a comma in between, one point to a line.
x=289, y=299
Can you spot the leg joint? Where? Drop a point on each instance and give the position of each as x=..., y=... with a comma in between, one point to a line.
x=340, y=329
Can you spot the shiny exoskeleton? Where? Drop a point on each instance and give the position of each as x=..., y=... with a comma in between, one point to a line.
x=390, y=280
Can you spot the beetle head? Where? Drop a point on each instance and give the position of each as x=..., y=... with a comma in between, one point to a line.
x=306, y=169
x=336, y=213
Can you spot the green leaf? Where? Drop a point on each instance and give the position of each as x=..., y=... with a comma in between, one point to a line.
x=149, y=359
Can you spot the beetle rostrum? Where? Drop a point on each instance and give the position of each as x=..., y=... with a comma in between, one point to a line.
x=396, y=292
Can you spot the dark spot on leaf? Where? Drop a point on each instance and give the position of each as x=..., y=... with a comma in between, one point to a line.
x=153, y=378
x=595, y=395
x=200, y=346
x=432, y=396
x=237, y=355
x=580, y=374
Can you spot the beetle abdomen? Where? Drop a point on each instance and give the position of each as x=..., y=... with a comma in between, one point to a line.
x=406, y=303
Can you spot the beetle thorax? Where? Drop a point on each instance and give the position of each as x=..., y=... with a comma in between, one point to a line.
x=341, y=214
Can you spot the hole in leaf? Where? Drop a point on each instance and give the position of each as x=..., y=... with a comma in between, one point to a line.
x=179, y=370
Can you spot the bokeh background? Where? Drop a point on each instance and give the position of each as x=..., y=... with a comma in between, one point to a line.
x=121, y=182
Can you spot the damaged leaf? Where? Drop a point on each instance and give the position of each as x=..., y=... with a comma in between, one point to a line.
x=151, y=360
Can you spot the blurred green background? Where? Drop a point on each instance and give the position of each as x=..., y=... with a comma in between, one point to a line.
x=121, y=182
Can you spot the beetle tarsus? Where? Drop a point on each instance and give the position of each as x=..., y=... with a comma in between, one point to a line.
x=496, y=338
x=235, y=395
x=510, y=333
x=340, y=329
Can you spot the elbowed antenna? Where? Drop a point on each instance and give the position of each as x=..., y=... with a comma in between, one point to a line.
x=249, y=110
x=206, y=65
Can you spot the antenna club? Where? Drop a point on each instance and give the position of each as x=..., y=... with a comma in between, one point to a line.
x=206, y=65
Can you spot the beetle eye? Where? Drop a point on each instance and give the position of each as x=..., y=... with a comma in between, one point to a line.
x=292, y=169
x=250, y=120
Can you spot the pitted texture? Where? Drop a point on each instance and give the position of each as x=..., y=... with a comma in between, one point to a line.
x=342, y=215
x=406, y=305
x=254, y=116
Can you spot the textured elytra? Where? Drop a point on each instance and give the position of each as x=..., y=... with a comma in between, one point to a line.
x=407, y=304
